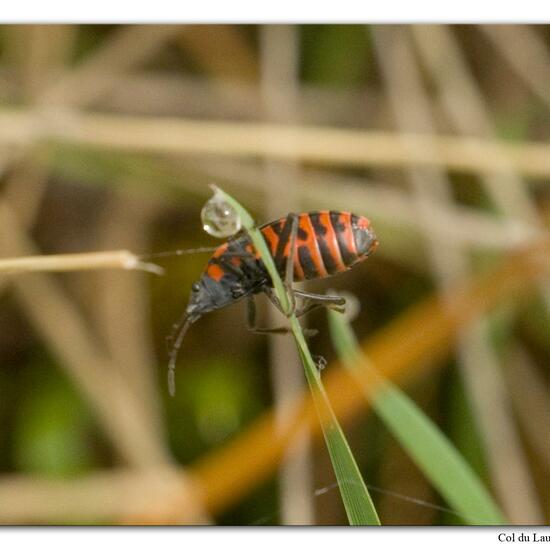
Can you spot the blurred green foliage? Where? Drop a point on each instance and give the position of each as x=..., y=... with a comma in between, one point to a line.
x=215, y=399
x=53, y=429
x=334, y=54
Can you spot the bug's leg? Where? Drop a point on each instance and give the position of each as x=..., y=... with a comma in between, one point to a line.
x=251, y=321
x=275, y=301
x=273, y=298
x=315, y=301
x=308, y=307
x=288, y=236
x=289, y=275
x=337, y=300
x=336, y=303
x=292, y=219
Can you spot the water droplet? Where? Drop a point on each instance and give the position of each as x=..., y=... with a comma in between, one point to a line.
x=219, y=218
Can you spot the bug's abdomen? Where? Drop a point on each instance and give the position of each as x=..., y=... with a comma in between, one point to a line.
x=327, y=243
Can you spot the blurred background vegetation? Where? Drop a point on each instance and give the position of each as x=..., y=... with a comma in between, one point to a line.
x=109, y=137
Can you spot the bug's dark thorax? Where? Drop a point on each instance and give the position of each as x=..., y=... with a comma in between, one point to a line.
x=233, y=272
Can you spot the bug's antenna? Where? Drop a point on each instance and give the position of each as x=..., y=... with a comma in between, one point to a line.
x=180, y=328
x=179, y=252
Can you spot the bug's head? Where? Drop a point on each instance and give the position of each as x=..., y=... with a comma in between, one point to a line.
x=200, y=300
x=365, y=238
x=208, y=295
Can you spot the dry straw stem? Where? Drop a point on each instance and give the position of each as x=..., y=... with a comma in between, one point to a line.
x=321, y=145
x=410, y=345
x=117, y=259
x=526, y=52
x=147, y=496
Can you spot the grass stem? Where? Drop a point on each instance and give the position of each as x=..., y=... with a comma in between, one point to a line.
x=357, y=501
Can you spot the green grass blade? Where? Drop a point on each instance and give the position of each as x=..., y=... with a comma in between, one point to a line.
x=358, y=504
x=430, y=449
x=357, y=501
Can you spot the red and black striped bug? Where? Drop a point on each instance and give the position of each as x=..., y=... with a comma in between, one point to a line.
x=304, y=246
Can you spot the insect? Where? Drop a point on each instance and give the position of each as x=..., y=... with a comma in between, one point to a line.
x=304, y=246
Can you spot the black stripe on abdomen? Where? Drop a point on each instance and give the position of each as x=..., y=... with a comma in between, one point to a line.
x=320, y=236
x=348, y=256
x=306, y=262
